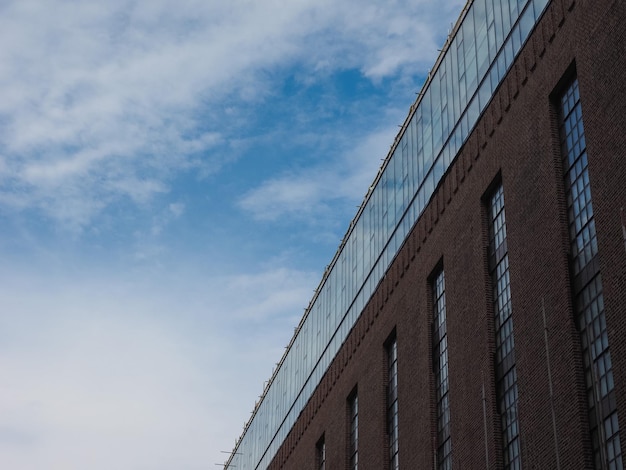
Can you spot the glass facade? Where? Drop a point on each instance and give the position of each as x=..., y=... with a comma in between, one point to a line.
x=475, y=59
x=506, y=373
x=589, y=301
x=440, y=366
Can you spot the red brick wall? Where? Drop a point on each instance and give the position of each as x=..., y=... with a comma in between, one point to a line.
x=515, y=140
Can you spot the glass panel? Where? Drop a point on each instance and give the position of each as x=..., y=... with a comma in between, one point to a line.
x=392, y=403
x=506, y=375
x=589, y=307
x=440, y=369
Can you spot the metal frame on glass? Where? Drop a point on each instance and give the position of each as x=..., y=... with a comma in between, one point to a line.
x=506, y=373
x=440, y=369
x=353, y=426
x=392, y=403
x=589, y=300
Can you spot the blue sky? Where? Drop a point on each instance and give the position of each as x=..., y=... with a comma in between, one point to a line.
x=174, y=178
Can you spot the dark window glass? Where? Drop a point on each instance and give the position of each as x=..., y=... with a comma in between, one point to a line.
x=321, y=454
x=589, y=301
x=353, y=404
x=440, y=363
x=392, y=403
x=506, y=374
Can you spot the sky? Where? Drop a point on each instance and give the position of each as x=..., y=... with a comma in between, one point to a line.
x=174, y=178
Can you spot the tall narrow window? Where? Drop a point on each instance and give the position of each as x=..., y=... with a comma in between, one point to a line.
x=587, y=287
x=353, y=407
x=392, y=402
x=506, y=375
x=321, y=454
x=440, y=366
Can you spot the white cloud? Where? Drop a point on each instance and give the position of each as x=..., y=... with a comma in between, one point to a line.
x=275, y=291
x=177, y=209
x=159, y=373
x=307, y=193
x=93, y=91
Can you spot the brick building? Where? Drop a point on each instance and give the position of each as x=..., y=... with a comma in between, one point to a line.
x=475, y=313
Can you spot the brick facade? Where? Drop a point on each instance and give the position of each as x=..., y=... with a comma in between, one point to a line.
x=515, y=142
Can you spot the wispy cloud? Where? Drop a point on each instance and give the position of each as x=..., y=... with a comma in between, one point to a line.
x=104, y=101
x=307, y=193
x=271, y=302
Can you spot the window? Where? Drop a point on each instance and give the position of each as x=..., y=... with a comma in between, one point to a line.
x=440, y=369
x=353, y=408
x=506, y=374
x=320, y=450
x=392, y=402
x=587, y=286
